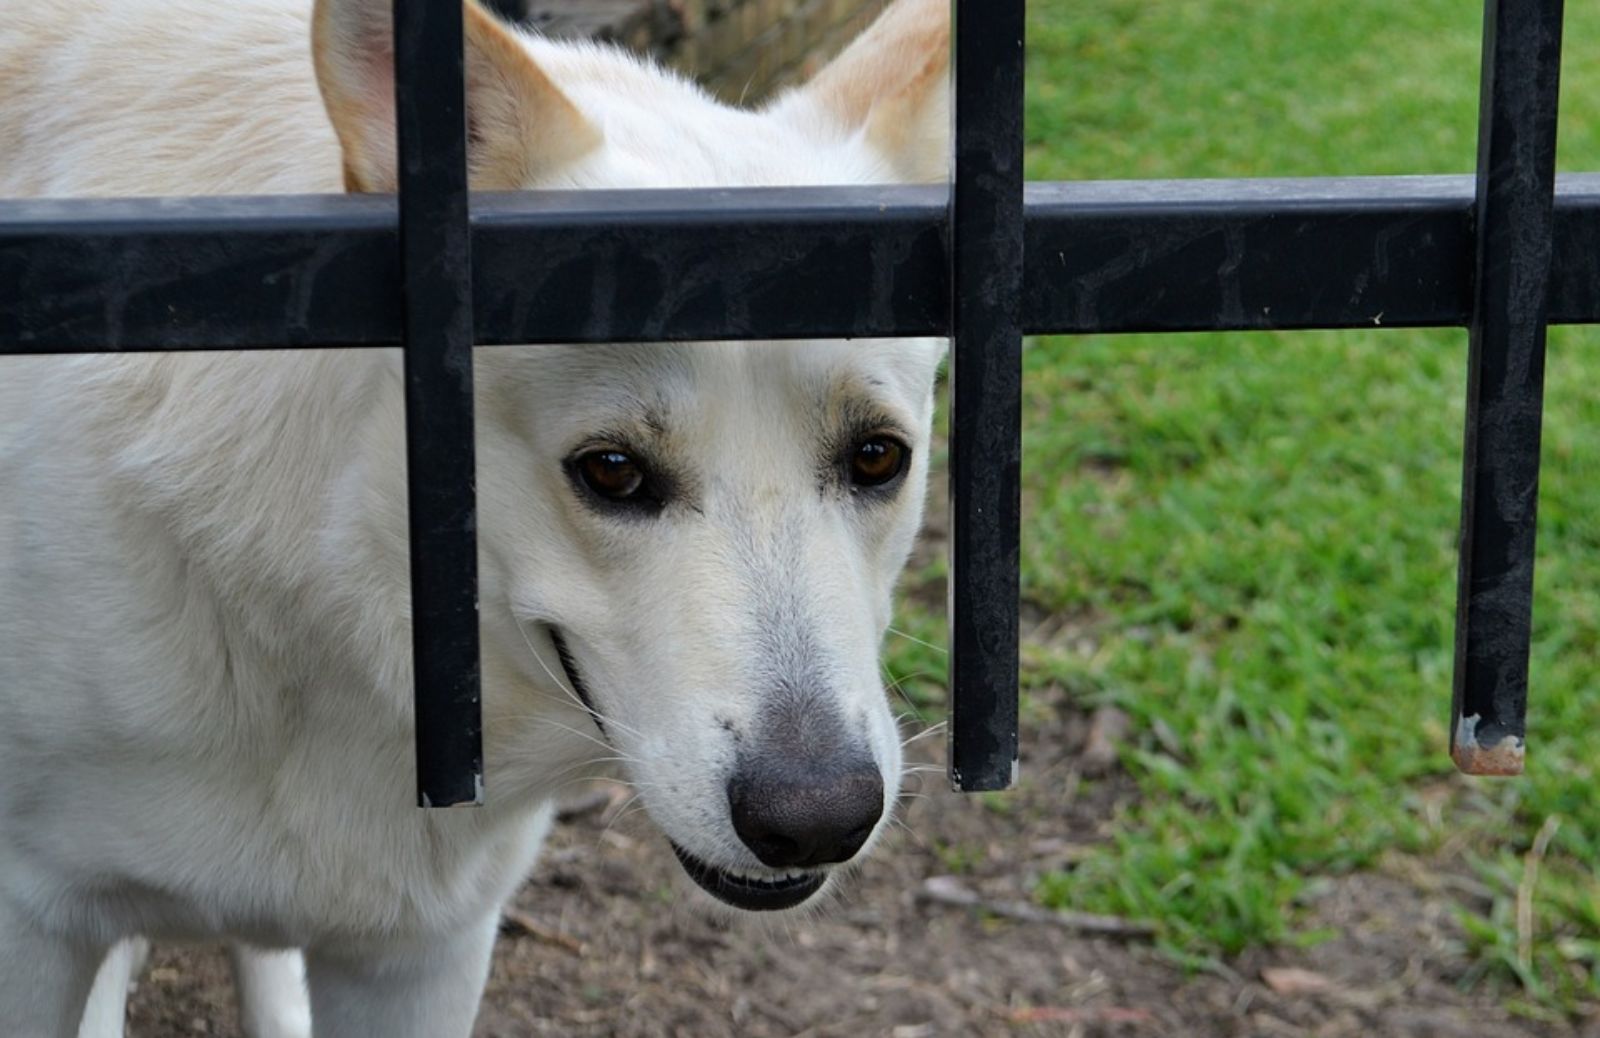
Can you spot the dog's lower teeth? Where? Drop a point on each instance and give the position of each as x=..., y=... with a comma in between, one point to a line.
x=765, y=879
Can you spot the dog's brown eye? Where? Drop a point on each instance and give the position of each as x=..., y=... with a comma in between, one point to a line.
x=611, y=474
x=877, y=461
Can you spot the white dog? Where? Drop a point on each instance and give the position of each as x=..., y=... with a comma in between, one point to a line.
x=687, y=551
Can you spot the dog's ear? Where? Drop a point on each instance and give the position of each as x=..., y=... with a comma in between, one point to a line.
x=893, y=82
x=518, y=121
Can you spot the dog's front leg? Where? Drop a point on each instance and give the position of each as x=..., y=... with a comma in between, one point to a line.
x=378, y=991
x=107, y=1008
x=44, y=980
x=273, y=1002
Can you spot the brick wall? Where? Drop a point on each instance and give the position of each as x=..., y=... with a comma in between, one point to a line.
x=742, y=49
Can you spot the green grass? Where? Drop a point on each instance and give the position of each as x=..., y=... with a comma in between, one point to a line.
x=1257, y=531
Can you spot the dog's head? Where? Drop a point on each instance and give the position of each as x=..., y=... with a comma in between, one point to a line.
x=688, y=550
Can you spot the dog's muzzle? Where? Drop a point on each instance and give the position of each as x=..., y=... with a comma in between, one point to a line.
x=796, y=820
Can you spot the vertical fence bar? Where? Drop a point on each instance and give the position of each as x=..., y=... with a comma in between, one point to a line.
x=985, y=392
x=1505, y=382
x=436, y=263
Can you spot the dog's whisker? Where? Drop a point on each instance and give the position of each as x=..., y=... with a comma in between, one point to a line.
x=550, y=722
x=928, y=732
x=565, y=687
x=897, y=685
x=609, y=722
x=629, y=812
x=618, y=813
x=587, y=737
x=913, y=638
x=537, y=719
x=562, y=783
x=538, y=657
x=565, y=775
x=572, y=697
x=634, y=788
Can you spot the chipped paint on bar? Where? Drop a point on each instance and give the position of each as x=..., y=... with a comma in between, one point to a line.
x=1504, y=757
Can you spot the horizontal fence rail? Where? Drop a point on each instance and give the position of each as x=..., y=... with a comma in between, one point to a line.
x=90, y=275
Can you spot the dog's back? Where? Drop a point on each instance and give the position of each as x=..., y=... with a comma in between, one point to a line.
x=160, y=97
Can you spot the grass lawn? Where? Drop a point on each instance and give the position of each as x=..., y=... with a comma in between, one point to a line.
x=1253, y=535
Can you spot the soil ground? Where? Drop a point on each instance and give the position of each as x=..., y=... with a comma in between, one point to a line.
x=619, y=947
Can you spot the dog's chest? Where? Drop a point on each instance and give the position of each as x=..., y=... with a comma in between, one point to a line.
x=309, y=840
x=347, y=878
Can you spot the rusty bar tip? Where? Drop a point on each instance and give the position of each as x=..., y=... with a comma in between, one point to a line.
x=1503, y=757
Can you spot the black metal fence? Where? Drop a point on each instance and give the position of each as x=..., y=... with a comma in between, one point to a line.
x=1503, y=254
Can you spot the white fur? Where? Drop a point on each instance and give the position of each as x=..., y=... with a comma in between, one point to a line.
x=205, y=667
x=108, y=999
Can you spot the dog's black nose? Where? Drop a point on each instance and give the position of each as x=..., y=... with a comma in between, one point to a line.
x=794, y=816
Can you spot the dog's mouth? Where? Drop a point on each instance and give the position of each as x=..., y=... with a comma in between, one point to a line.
x=753, y=892
x=570, y=668
x=768, y=891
